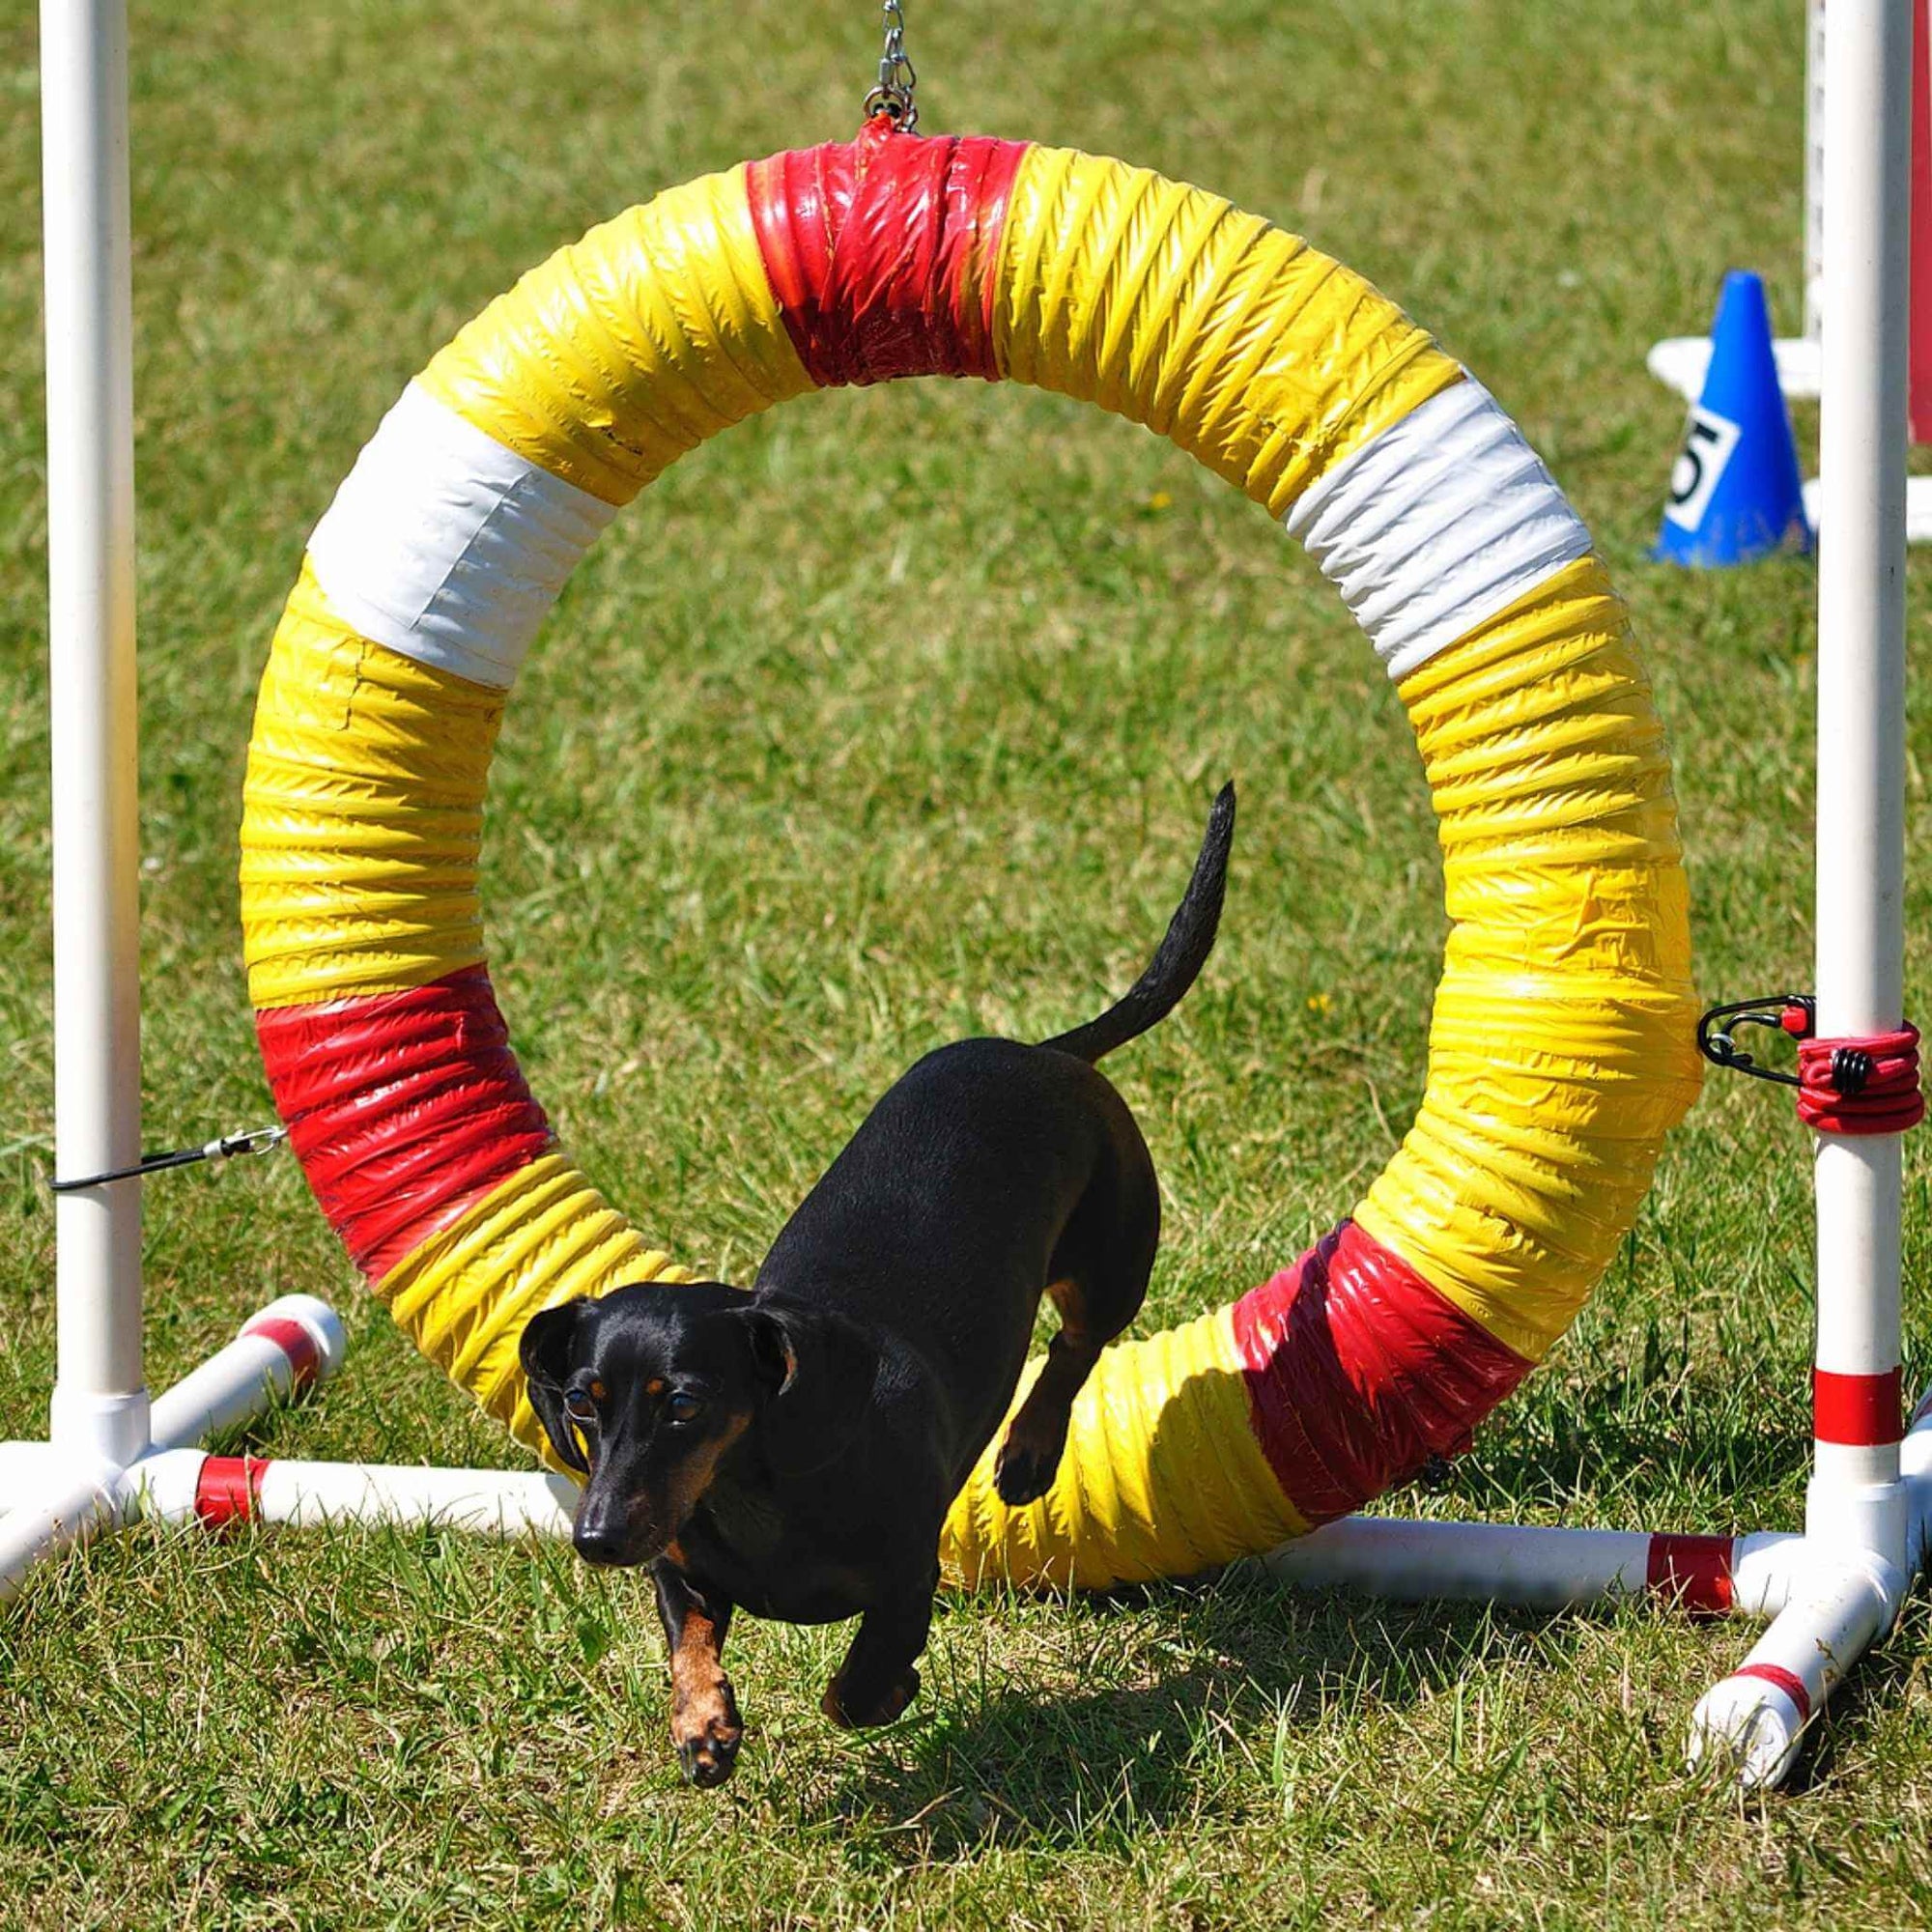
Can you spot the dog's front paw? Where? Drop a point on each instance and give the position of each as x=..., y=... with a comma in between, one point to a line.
x=706, y=1757
x=1024, y=1470
x=854, y=1712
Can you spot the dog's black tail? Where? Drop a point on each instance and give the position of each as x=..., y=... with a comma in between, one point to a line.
x=1178, y=958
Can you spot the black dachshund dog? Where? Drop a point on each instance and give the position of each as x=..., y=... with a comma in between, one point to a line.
x=794, y=1451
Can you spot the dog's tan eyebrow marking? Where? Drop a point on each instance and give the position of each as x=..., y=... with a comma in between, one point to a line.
x=598, y=1392
x=655, y=1386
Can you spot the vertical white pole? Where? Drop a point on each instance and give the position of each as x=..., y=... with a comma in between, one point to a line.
x=99, y=1402
x=1814, y=168
x=1857, y=1502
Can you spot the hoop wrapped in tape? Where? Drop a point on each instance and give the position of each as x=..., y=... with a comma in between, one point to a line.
x=1562, y=1043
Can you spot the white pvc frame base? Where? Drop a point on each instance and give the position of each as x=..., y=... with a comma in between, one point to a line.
x=1827, y=1604
x=55, y=1494
x=53, y=1498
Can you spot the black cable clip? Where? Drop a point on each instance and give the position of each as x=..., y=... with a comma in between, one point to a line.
x=1851, y=1067
x=1791, y=1013
x=257, y=1140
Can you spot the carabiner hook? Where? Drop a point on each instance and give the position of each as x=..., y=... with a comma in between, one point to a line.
x=1790, y=1014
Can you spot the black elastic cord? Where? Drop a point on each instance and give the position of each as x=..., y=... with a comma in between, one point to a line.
x=257, y=1140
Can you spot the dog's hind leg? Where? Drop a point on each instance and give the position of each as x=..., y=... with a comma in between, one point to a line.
x=1099, y=1277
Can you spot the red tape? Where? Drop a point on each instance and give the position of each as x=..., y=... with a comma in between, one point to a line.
x=1784, y=1679
x=1860, y=1411
x=1692, y=1572
x=403, y=1108
x=1358, y=1372
x=882, y=252
x=295, y=1342
x=1834, y=1099
x=225, y=1491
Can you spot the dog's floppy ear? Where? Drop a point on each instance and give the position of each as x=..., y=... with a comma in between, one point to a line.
x=545, y=1351
x=818, y=1369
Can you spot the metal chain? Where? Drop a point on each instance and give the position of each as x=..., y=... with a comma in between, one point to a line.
x=892, y=97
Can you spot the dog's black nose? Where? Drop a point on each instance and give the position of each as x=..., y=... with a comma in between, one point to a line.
x=599, y=1543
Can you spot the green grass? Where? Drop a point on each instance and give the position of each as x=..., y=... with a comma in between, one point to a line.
x=887, y=718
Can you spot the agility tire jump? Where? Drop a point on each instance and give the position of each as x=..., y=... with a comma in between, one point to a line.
x=1561, y=1048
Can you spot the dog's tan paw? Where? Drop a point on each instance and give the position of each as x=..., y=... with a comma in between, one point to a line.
x=707, y=1756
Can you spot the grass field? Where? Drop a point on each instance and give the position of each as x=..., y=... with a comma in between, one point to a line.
x=891, y=717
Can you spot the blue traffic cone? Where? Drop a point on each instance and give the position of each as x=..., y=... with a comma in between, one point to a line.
x=1735, y=493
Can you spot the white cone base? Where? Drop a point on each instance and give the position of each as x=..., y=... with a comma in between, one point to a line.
x=1918, y=507
x=1679, y=362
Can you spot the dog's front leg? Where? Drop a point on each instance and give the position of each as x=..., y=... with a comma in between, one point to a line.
x=878, y=1680
x=704, y=1723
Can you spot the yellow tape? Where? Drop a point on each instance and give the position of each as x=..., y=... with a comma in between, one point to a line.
x=1564, y=1042
x=362, y=814
x=1249, y=349
x=630, y=346
x=1163, y=1475
x=544, y=1236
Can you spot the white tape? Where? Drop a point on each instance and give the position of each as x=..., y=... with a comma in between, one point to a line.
x=1445, y=519
x=448, y=548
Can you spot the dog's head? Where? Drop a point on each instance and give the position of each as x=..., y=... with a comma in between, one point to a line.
x=652, y=1390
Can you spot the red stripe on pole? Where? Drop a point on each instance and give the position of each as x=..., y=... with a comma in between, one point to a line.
x=882, y=252
x=1860, y=1412
x=1919, y=326
x=226, y=1490
x=1792, y=1686
x=1358, y=1372
x=1692, y=1572
x=295, y=1342
x=404, y=1108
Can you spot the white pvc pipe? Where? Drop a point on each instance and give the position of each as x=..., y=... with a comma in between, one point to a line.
x=172, y=1487
x=1915, y=1466
x=1767, y=1571
x=1837, y=1610
x=1814, y=169
x=1466, y=1562
x=1551, y=1568
x=295, y=1339
x=1532, y=1569
x=99, y=1401
x=26, y=1471
x=253, y=1372
x=1855, y=1500
x=85, y=1503
x=487, y=1502
x=1758, y=1716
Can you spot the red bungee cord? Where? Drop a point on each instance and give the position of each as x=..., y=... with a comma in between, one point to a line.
x=1865, y=1085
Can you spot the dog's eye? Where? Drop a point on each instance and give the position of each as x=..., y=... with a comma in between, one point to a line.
x=684, y=1407
x=578, y=1406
